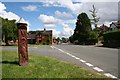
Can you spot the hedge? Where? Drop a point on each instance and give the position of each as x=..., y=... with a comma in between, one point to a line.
x=112, y=39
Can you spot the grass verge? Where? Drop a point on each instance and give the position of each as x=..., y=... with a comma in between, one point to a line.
x=41, y=67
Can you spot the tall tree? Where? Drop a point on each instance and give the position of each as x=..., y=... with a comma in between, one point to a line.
x=94, y=15
x=9, y=30
x=84, y=23
x=83, y=27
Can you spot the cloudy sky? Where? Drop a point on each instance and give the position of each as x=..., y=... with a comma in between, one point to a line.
x=57, y=15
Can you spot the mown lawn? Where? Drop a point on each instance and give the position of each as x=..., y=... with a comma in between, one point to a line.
x=41, y=67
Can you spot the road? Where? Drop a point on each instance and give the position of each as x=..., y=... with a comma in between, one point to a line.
x=98, y=59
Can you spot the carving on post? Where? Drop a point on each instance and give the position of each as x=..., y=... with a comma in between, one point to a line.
x=22, y=44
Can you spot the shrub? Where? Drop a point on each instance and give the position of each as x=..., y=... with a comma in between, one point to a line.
x=92, y=38
x=101, y=39
x=76, y=42
x=89, y=38
x=112, y=39
x=71, y=39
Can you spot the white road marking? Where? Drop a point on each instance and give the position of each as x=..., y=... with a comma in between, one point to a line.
x=82, y=61
x=109, y=75
x=70, y=54
x=89, y=64
x=61, y=50
x=51, y=46
x=73, y=56
x=97, y=69
x=77, y=58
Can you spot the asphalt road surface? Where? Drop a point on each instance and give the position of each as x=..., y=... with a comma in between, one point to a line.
x=98, y=59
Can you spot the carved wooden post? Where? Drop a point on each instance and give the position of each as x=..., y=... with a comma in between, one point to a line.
x=22, y=44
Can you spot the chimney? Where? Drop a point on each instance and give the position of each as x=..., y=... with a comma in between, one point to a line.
x=44, y=29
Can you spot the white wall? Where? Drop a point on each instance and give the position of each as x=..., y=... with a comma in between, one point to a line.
x=113, y=27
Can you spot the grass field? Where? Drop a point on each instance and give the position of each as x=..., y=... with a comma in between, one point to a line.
x=41, y=67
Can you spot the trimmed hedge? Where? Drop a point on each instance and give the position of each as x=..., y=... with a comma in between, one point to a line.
x=112, y=39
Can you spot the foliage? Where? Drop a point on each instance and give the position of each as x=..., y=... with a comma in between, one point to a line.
x=83, y=33
x=9, y=30
x=82, y=26
x=89, y=38
x=71, y=39
x=64, y=40
x=112, y=38
x=83, y=23
x=58, y=39
x=94, y=15
x=100, y=39
x=93, y=38
x=49, y=40
x=41, y=67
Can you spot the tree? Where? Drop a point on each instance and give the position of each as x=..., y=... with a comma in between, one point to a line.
x=64, y=40
x=84, y=23
x=58, y=39
x=71, y=39
x=94, y=15
x=83, y=27
x=9, y=30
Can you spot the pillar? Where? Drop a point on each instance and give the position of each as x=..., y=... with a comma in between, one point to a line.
x=22, y=44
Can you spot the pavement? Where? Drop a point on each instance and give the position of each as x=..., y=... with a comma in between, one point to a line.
x=98, y=59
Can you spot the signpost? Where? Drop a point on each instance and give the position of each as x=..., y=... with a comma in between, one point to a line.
x=22, y=44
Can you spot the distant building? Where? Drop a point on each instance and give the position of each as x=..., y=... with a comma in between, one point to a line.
x=54, y=40
x=104, y=28
x=40, y=37
x=115, y=26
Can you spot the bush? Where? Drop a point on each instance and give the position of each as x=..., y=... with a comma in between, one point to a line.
x=111, y=39
x=71, y=39
x=93, y=38
x=90, y=38
x=76, y=42
x=101, y=39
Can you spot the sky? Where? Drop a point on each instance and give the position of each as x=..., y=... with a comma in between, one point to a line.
x=57, y=15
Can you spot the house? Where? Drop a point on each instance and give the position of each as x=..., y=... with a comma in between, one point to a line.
x=115, y=26
x=104, y=28
x=31, y=38
x=40, y=37
x=54, y=40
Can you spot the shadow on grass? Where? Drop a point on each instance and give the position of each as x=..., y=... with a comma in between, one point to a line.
x=10, y=62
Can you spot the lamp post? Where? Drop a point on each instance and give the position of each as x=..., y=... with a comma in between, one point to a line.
x=22, y=44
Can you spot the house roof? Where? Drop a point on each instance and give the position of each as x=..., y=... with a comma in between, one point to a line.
x=42, y=32
x=117, y=24
x=103, y=26
x=31, y=36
